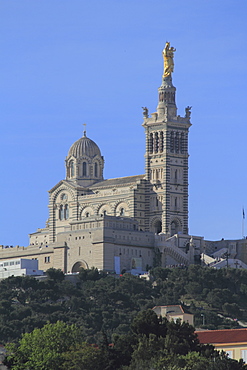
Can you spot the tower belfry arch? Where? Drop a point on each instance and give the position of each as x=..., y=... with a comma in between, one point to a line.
x=167, y=155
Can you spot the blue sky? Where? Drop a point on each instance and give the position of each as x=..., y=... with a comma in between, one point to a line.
x=65, y=63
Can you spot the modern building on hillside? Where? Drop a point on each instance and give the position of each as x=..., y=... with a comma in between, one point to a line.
x=19, y=267
x=174, y=313
x=127, y=223
x=231, y=341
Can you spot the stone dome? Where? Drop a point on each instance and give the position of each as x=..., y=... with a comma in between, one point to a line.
x=84, y=146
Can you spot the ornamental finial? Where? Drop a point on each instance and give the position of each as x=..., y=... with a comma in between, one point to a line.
x=84, y=132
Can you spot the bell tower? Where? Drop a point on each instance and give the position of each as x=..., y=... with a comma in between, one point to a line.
x=167, y=157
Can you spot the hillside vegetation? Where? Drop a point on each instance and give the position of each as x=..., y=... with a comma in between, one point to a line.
x=102, y=303
x=151, y=344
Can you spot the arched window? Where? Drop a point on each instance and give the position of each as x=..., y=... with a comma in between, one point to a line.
x=177, y=143
x=104, y=213
x=174, y=227
x=95, y=169
x=157, y=175
x=84, y=169
x=172, y=142
x=64, y=196
x=61, y=213
x=161, y=144
x=158, y=227
x=66, y=212
x=182, y=143
x=72, y=169
x=151, y=144
x=156, y=148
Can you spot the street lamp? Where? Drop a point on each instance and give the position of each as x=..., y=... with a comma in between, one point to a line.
x=203, y=319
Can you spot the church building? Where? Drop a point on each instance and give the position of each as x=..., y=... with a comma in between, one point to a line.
x=128, y=223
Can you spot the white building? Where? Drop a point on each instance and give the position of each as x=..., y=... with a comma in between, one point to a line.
x=19, y=267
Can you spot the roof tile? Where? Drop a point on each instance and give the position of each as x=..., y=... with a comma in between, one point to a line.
x=222, y=336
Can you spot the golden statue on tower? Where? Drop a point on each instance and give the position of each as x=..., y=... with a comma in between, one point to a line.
x=168, y=54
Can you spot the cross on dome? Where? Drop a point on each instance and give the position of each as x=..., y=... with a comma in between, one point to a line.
x=84, y=131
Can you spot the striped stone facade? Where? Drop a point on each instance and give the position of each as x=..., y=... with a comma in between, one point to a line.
x=119, y=224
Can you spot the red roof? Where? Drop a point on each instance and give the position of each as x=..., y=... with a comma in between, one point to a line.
x=222, y=336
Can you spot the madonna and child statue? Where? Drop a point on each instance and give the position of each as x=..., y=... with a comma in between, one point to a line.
x=168, y=55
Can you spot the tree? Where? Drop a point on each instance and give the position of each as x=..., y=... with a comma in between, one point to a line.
x=43, y=349
x=83, y=356
x=124, y=347
x=159, y=273
x=232, y=309
x=55, y=274
x=181, y=338
x=90, y=274
x=146, y=322
x=147, y=350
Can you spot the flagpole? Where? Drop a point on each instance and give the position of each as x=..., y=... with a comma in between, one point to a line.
x=243, y=223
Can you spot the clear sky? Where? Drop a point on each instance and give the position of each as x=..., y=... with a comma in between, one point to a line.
x=68, y=62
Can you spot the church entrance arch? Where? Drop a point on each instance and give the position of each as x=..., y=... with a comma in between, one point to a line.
x=78, y=265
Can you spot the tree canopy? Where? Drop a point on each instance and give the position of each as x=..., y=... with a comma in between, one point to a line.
x=98, y=302
x=152, y=343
